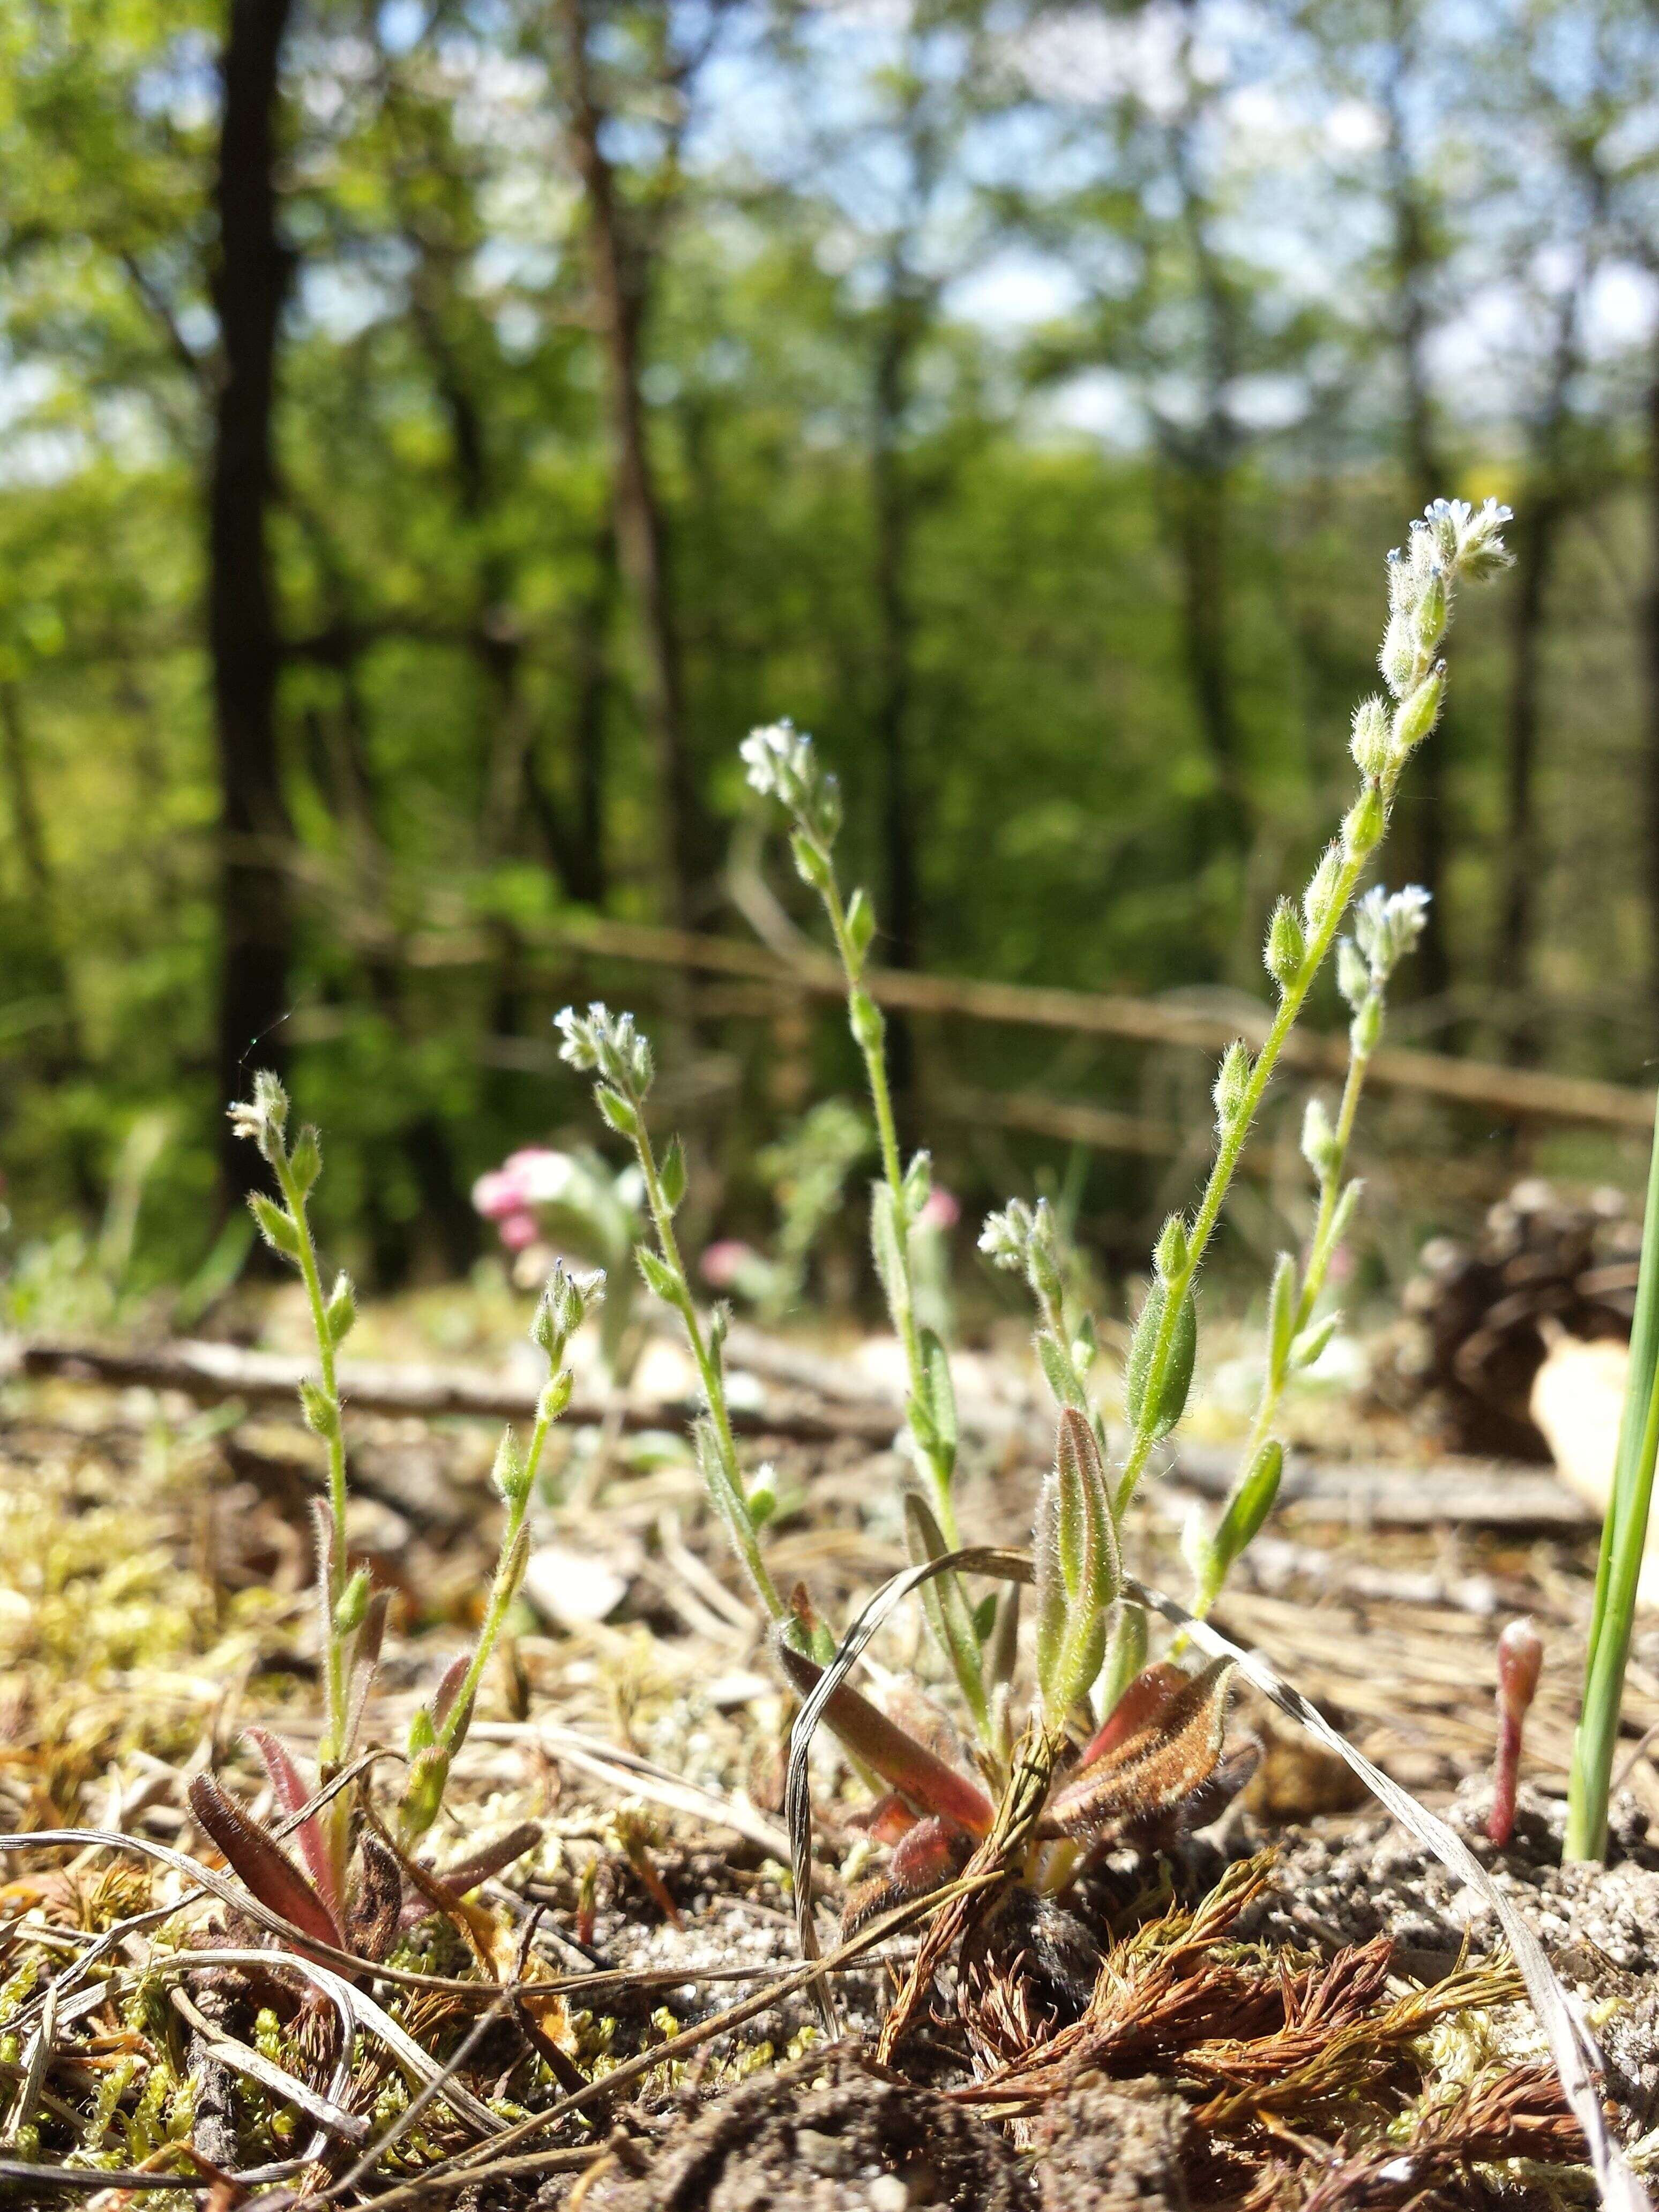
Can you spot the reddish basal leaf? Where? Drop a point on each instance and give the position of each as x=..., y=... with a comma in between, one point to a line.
x=1144, y=1700
x=930, y=1853
x=291, y=1793
x=261, y=1863
x=1147, y=1775
x=921, y=1778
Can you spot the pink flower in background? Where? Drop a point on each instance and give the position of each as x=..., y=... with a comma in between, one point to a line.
x=508, y=1194
x=943, y=1210
x=724, y=1260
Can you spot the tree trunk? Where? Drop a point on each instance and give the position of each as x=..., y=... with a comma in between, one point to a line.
x=65, y=1051
x=1196, y=503
x=250, y=284
x=620, y=277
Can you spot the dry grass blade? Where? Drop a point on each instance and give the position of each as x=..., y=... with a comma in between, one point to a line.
x=1011, y=1566
x=1576, y=2056
x=1015, y=1825
x=641, y=1777
x=495, y=2165
x=255, y=2067
x=364, y=2014
x=39, y=2058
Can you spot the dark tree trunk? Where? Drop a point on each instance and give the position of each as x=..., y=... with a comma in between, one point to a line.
x=64, y=1051
x=620, y=267
x=1196, y=503
x=572, y=834
x=250, y=284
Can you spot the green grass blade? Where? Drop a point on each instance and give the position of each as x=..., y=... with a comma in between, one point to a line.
x=1624, y=1533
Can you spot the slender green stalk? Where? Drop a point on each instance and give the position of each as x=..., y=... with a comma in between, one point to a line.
x=782, y=764
x=610, y=1046
x=870, y=1031
x=1385, y=929
x=504, y=1585
x=439, y=1728
x=1624, y=1535
x=1451, y=538
x=334, y=1747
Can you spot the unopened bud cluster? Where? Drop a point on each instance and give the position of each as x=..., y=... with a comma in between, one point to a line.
x=781, y=763
x=608, y=1045
x=1026, y=1240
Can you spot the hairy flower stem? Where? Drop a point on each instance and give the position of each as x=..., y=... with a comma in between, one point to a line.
x=1420, y=602
x=1321, y=1249
x=1227, y=1151
x=709, y=1369
x=503, y=1589
x=871, y=1035
x=334, y=1747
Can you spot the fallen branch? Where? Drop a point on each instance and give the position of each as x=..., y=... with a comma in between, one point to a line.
x=1513, y=1093
x=211, y=1373
x=1487, y=1492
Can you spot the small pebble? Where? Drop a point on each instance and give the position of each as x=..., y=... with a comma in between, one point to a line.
x=887, y=2193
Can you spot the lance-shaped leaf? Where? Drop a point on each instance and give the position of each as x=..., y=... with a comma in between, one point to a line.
x=261, y=1863
x=1282, y=1301
x=1061, y=1371
x=1159, y=1411
x=1251, y=1501
x=287, y=1785
x=921, y=1778
x=887, y=1249
x=1051, y=1598
x=1090, y=1567
x=941, y=1399
x=945, y=1603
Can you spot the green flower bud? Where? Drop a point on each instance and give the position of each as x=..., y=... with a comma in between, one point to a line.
x=1372, y=743
x=511, y=1474
x=322, y=1414
x=1417, y=715
x=340, y=1314
x=812, y=864
x=274, y=1226
x=1232, y=1082
x=1322, y=890
x=305, y=1162
x=1169, y=1255
x=352, y=1606
x=865, y=1016
x=1319, y=1144
x=1353, y=973
x=861, y=927
x=617, y=1111
x=1364, y=823
x=1287, y=946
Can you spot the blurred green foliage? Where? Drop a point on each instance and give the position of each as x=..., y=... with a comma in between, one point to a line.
x=1174, y=471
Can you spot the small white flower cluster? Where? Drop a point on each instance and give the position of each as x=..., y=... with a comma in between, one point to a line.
x=1026, y=1240
x=609, y=1043
x=1453, y=541
x=1386, y=925
x=781, y=763
x=265, y=1117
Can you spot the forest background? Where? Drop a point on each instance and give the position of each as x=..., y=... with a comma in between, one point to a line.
x=431, y=434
